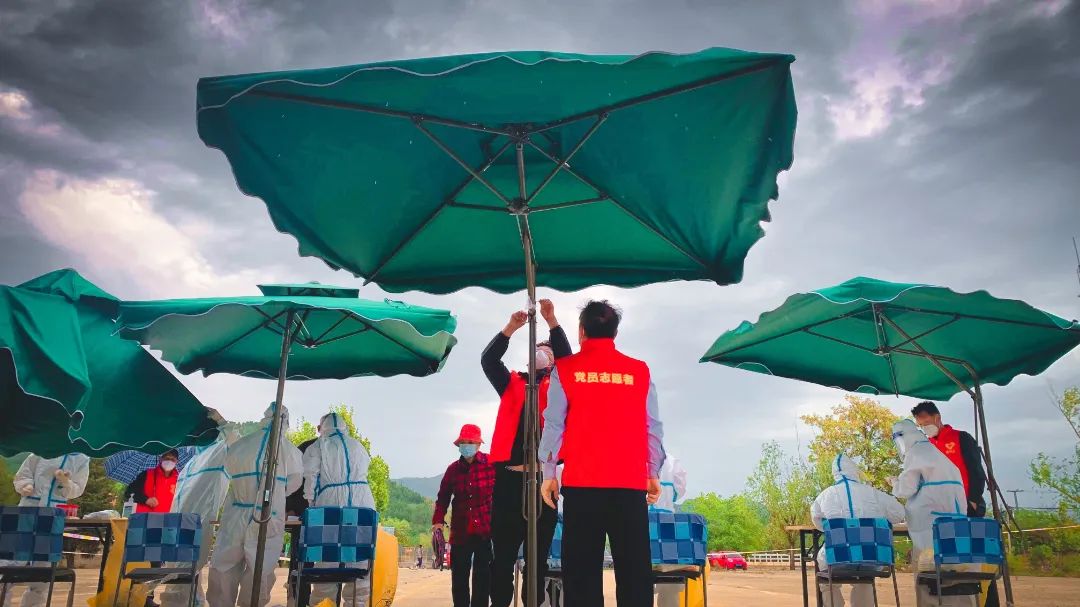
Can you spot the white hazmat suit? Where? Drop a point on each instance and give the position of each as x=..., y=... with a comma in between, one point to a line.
x=851, y=497
x=47, y=483
x=233, y=563
x=201, y=490
x=932, y=487
x=672, y=485
x=335, y=474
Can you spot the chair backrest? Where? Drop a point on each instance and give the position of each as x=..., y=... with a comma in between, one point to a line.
x=30, y=533
x=160, y=537
x=338, y=535
x=960, y=540
x=677, y=538
x=863, y=541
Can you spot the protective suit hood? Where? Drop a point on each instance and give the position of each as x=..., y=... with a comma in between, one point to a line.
x=332, y=422
x=905, y=434
x=268, y=416
x=845, y=467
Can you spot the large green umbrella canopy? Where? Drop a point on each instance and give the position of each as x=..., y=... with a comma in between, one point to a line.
x=63, y=324
x=337, y=335
x=42, y=369
x=631, y=169
x=873, y=336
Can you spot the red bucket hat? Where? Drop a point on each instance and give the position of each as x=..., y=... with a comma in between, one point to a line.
x=469, y=432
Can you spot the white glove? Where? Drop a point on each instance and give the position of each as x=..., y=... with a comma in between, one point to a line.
x=26, y=490
x=61, y=475
x=892, y=482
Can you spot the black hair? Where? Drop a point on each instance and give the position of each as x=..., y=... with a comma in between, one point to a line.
x=172, y=452
x=600, y=319
x=544, y=344
x=925, y=407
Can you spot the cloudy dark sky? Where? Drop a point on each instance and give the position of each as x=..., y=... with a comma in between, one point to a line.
x=937, y=142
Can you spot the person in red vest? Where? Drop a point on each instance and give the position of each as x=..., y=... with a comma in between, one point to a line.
x=154, y=489
x=602, y=419
x=508, y=454
x=962, y=450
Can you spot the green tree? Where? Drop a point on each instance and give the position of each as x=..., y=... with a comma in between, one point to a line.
x=101, y=493
x=406, y=534
x=734, y=523
x=378, y=471
x=785, y=488
x=8, y=496
x=1063, y=475
x=860, y=428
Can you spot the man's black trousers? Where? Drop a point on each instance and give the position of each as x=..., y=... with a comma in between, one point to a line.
x=621, y=516
x=472, y=554
x=508, y=536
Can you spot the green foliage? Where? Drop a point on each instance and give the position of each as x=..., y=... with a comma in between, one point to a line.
x=785, y=487
x=15, y=461
x=410, y=506
x=860, y=428
x=734, y=523
x=101, y=493
x=378, y=470
x=1063, y=475
x=407, y=534
x=8, y=496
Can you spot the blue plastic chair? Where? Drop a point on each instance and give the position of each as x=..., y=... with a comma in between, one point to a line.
x=34, y=535
x=959, y=540
x=171, y=542
x=679, y=539
x=858, y=551
x=341, y=537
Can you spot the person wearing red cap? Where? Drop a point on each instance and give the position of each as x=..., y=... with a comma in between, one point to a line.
x=467, y=486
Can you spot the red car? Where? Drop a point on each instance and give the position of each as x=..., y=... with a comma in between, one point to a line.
x=727, y=560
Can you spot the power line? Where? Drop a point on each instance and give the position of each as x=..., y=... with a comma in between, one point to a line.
x=1077, y=251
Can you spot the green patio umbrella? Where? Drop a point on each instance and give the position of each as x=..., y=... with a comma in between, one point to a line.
x=71, y=384
x=42, y=367
x=512, y=170
x=923, y=341
x=307, y=331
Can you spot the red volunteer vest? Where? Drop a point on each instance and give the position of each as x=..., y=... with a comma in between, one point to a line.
x=948, y=442
x=506, y=423
x=606, y=442
x=160, y=486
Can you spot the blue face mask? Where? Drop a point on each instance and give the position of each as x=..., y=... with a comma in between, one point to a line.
x=468, y=450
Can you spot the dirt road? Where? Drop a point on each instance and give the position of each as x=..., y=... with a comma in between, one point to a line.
x=762, y=588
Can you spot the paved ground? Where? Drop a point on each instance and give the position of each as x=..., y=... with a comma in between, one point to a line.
x=762, y=588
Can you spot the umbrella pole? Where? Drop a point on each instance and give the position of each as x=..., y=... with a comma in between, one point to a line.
x=270, y=467
x=531, y=413
x=992, y=482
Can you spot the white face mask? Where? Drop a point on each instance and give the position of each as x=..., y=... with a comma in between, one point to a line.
x=542, y=360
x=168, y=465
x=930, y=430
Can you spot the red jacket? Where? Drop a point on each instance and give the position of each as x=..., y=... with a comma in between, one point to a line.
x=606, y=441
x=155, y=484
x=510, y=406
x=948, y=442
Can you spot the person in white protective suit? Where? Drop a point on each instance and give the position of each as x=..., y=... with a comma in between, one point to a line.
x=932, y=487
x=672, y=489
x=201, y=490
x=233, y=562
x=46, y=483
x=851, y=497
x=335, y=474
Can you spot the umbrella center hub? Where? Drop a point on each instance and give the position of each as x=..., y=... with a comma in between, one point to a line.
x=518, y=206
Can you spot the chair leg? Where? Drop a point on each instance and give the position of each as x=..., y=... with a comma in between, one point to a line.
x=194, y=589
x=71, y=595
x=873, y=585
x=940, y=590
x=686, y=592
x=830, y=590
x=52, y=582
x=3, y=592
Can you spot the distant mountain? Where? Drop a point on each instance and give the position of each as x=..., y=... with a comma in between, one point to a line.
x=427, y=487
